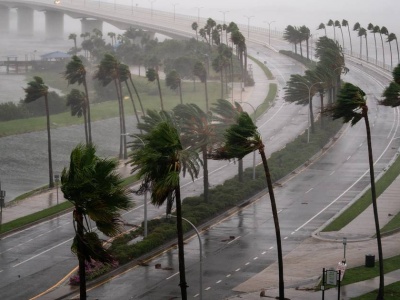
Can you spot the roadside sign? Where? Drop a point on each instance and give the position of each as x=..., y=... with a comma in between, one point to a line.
x=331, y=277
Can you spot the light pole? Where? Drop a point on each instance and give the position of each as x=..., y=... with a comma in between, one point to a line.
x=344, y=250
x=309, y=105
x=57, y=180
x=201, y=255
x=248, y=25
x=269, y=31
x=2, y=197
x=198, y=14
x=224, y=12
x=145, y=193
x=174, y=4
x=151, y=7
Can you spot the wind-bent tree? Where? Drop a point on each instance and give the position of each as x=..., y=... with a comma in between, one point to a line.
x=322, y=26
x=391, y=94
x=112, y=35
x=198, y=131
x=374, y=29
x=291, y=34
x=108, y=71
x=36, y=90
x=351, y=106
x=152, y=75
x=159, y=163
x=76, y=73
x=305, y=36
x=345, y=23
x=356, y=27
x=392, y=37
x=76, y=100
x=337, y=24
x=385, y=32
x=72, y=36
x=331, y=23
x=95, y=189
x=200, y=71
x=241, y=139
x=362, y=32
x=195, y=27
x=173, y=81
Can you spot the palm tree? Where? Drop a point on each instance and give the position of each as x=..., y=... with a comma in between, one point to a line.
x=174, y=81
x=346, y=24
x=391, y=94
x=200, y=71
x=195, y=27
x=197, y=130
x=357, y=27
x=152, y=75
x=291, y=35
x=112, y=36
x=322, y=26
x=159, y=163
x=385, y=32
x=362, y=32
x=95, y=189
x=36, y=90
x=108, y=71
x=392, y=37
x=221, y=62
x=331, y=23
x=351, y=106
x=72, y=36
x=374, y=29
x=77, y=101
x=241, y=139
x=76, y=73
x=337, y=24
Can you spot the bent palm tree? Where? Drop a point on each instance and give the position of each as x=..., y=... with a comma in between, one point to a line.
x=152, y=75
x=322, y=26
x=345, y=23
x=392, y=37
x=337, y=24
x=374, y=29
x=92, y=185
x=331, y=23
x=159, y=163
x=384, y=31
x=351, y=106
x=77, y=102
x=37, y=89
x=241, y=139
x=173, y=81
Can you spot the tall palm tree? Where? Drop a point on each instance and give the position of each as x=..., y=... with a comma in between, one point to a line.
x=392, y=37
x=152, y=75
x=356, y=27
x=36, y=90
x=241, y=139
x=112, y=35
x=305, y=35
x=159, y=163
x=362, y=32
x=391, y=94
x=76, y=73
x=108, y=71
x=331, y=23
x=374, y=29
x=345, y=23
x=337, y=24
x=200, y=71
x=72, y=36
x=195, y=27
x=95, y=189
x=384, y=31
x=76, y=100
x=322, y=26
x=351, y=106
x=199, y=131
x=174, y=81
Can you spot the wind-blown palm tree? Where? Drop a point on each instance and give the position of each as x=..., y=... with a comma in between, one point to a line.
x=159, y=163
x=241, y=139
x=152, y=75
x=95, y=189
x=384, y=31
x=76, y=73
x=322, y=26
x=305, y=35
x=200, y=71
x=76, y=100
x=36, y=90
x=357, y=27
x=195, y=27
x=362, y=32
x=331, y=23
x=351, y=106
x=345, y=23
x=174, y=81
x=337, y=24
x=392, y=37
x=72, y=36
x=374, y=29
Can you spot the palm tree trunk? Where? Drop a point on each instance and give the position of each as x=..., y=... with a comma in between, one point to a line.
x=121, y=130
x=222, y=82
x=51, y=181
x=125, y=150
x=351, y=45
x=81, y=256
x=308, y=51
x=137, y=95
x=311, y=115
x=321, y=95
x=180, y=92
x=366, y=47
x=360, y=47
x=89, y=122
x=391, y=56
x=206, y=92
x=205, y=172
x=398, y=54
x=341, y=31
x=181, y=253
x=240, y=169
x=85, y=123
x=276, y=223
x=374, y=205
x=301, y=50
x=383, y=51
x=376, y=50
x=133, y=103
x=159, y=91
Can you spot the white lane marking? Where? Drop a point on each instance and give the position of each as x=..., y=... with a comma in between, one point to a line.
x=255, y=258
x=172, y=275
x=360, y=145
x=309, y=190
x=237, y=270
x=22, y=262
x=206, y=289
x=218, y=281
x=234, y=239
x=348, y=157
x=279, y=211
x=271, y=248
x=285, y=238
x=331, y=173
x=195, y=295
x=246, y=264
x=264, y=252
x=229, y=275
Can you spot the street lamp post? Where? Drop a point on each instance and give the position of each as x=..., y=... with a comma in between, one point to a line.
x=224, y=12
x=309, y=105
x=248, y=25
x=269, y=31
x=344, y=250
x=201, y=255
x=198, y=14
x=57, y=180
x=174, y=4
x=151, y=7
x=2, y=197
x=145, y=193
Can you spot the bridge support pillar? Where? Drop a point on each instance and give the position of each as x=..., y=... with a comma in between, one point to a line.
x=89, y=24
x=54, y=25
x=4, y=19
x=25, y=21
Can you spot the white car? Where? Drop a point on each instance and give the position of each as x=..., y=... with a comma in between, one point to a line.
x=57, y=1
